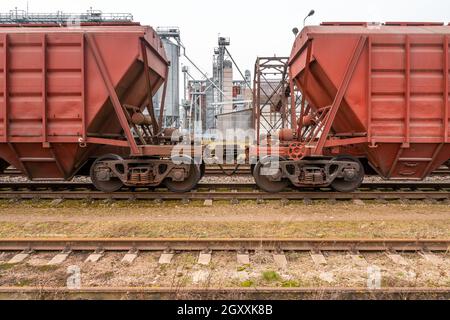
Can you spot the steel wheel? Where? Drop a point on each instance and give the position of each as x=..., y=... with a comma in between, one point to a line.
x=188, y=184
x=447, y=164
x=114, y=184
x=3, y=165
x=252, y=168
x=263, y=181
x=342, y=185
x=202, y=170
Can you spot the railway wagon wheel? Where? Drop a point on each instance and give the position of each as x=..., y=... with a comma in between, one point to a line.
x=349, y=185
x=3, y=165
x=114, y=184
x=447, y=164
x=191, y=181
x=262, y=173
x=202, y=170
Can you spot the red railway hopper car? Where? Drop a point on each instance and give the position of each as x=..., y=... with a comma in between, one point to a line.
x=373, y=92
x=69, y=96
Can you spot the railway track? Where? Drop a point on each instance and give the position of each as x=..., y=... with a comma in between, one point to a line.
x=383, y=191
x=226, y=170
x=316, y=245
x=132, y=293
x=62, y=248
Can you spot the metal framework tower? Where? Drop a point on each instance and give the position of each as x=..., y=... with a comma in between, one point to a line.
x=273, y=110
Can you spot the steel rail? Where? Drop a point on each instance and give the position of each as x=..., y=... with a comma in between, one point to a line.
x=383, y=191
x=263, y=293
x=226, y=196
x=211, y=186
x=243, y=171
x=275, y=244
x=220, y=172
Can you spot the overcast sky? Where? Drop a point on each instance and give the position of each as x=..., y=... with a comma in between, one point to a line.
x=256, y=27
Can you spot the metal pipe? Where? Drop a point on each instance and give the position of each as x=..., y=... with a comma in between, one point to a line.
x=237, y=67
x=198, y=69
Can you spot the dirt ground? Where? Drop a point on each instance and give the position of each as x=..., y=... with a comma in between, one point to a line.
x=224, y=271
x=246, y=220
x=147, y=219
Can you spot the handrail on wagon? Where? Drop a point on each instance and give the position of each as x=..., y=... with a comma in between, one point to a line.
x=59, y=17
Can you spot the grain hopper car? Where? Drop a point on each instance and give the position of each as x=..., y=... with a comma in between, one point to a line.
x=371, y=93
x=78, y=100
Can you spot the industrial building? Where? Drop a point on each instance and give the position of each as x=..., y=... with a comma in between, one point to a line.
x=170, y=37
x=211, y=102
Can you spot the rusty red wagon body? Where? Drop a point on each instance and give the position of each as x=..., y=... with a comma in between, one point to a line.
x=68, y=95
x=370, y=91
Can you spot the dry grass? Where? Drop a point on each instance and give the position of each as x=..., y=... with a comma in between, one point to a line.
x=101, y=208
x=225, y=273
x=247, y=220
x=186, y=229
x=147, y=219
